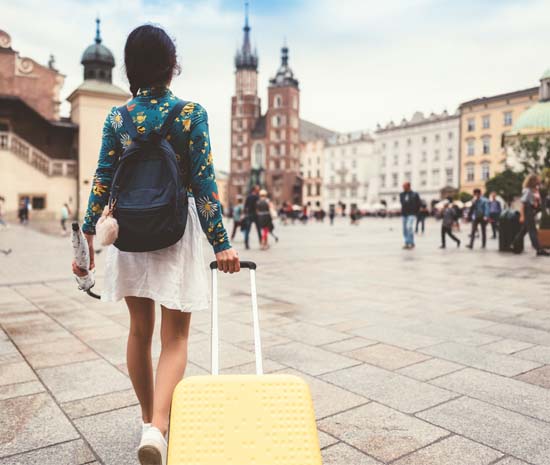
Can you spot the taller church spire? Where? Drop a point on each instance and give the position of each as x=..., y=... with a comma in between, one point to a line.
x=245, y=57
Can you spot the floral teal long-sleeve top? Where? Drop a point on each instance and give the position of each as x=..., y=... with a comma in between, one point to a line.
x=190, y=139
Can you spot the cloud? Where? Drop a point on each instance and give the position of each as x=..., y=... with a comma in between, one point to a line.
x=359, y=62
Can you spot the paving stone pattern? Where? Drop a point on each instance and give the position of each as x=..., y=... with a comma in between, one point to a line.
x=423, y=357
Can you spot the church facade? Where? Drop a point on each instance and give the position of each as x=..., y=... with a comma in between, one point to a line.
x=265, y=147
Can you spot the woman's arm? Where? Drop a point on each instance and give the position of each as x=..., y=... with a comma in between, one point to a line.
x=205, y=189
x=101, y=184
x=203, y=180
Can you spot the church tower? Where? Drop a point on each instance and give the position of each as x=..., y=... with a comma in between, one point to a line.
x=283, y=131
x=90, y=104
x=245, y=112
x=97, y=59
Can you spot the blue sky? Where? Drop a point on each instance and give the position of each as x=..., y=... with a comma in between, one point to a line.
x=359, y=62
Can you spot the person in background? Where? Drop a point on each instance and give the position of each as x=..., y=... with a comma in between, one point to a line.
x=448, y=220
x=354, y=216
x=65, y=213
x=289, y=213
x=458, y=215
x=250, y=215
x=331, y=214
x=2, y=221
x=410, y=206
x=23, y=212
x=305, y=214
x=495, y=209
x=282, y=214
x=421, y=217
x=263, y=210
x=479, y=215
x=237, y=216
x=530, y=203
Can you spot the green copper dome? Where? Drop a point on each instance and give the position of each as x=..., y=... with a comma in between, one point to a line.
x=535, y=120
x=546, y=74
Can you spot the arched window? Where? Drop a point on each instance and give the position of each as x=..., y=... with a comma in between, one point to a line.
x=278, y=101
x=276, y=121
x=258, y=156
x=485, y=171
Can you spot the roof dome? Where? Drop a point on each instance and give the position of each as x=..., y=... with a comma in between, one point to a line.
x=97, y=59
x=546, y=74
x=535, y=120
x=97, y=53
x=285, y=75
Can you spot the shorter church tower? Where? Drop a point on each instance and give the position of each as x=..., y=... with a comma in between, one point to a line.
x=283, y=133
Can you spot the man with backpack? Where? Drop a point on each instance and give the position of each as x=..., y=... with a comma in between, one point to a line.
x=410, y=206
x=449, y=218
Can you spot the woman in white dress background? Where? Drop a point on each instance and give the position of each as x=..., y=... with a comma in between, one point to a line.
x=174, y=277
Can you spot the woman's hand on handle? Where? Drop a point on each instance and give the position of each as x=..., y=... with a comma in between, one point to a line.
x=228, y=261
x=79, y=271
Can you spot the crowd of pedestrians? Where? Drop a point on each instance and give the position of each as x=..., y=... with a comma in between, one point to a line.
x=482, y=212
x=258, y=212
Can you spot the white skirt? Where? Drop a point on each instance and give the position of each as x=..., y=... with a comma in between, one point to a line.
x=175, y=277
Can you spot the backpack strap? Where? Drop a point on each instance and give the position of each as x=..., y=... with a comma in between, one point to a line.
x=172, y=115
x=127, y=122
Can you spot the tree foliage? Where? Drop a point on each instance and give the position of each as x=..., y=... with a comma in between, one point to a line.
x=533, y=154
x=464, y=197
x=507, y=184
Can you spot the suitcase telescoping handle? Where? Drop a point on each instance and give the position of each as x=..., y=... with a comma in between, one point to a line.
x=215, y=348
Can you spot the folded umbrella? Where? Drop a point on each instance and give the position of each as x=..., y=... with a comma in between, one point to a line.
x=82, y=260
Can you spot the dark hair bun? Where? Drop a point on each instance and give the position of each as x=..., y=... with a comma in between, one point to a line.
x=150, y=57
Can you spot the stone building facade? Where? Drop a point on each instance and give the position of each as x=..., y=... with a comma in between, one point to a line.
x=265, y=147
x=24, y=78
x=423, y=150
x=483, y=124
x=350, y=166
x=313, y=139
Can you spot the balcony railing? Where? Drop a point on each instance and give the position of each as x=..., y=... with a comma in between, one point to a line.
x=34, y=157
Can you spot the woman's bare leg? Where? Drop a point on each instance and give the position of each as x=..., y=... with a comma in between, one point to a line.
x=138, y=352
x=174, y=335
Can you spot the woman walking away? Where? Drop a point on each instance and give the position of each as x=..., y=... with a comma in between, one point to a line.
x=263, y=210
x=447, y=223
x=173, y=276
x=530, y=202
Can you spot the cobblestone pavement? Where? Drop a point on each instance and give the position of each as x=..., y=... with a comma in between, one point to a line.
x=413, y=357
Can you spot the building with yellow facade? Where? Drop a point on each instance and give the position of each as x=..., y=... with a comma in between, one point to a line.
x=483, y=123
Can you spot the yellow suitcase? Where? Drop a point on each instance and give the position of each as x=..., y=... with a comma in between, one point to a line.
x=242, y=419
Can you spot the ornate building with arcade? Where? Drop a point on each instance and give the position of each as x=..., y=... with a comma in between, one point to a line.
x=47, y=160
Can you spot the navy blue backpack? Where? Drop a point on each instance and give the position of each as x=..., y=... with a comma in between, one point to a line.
x=148, y=193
